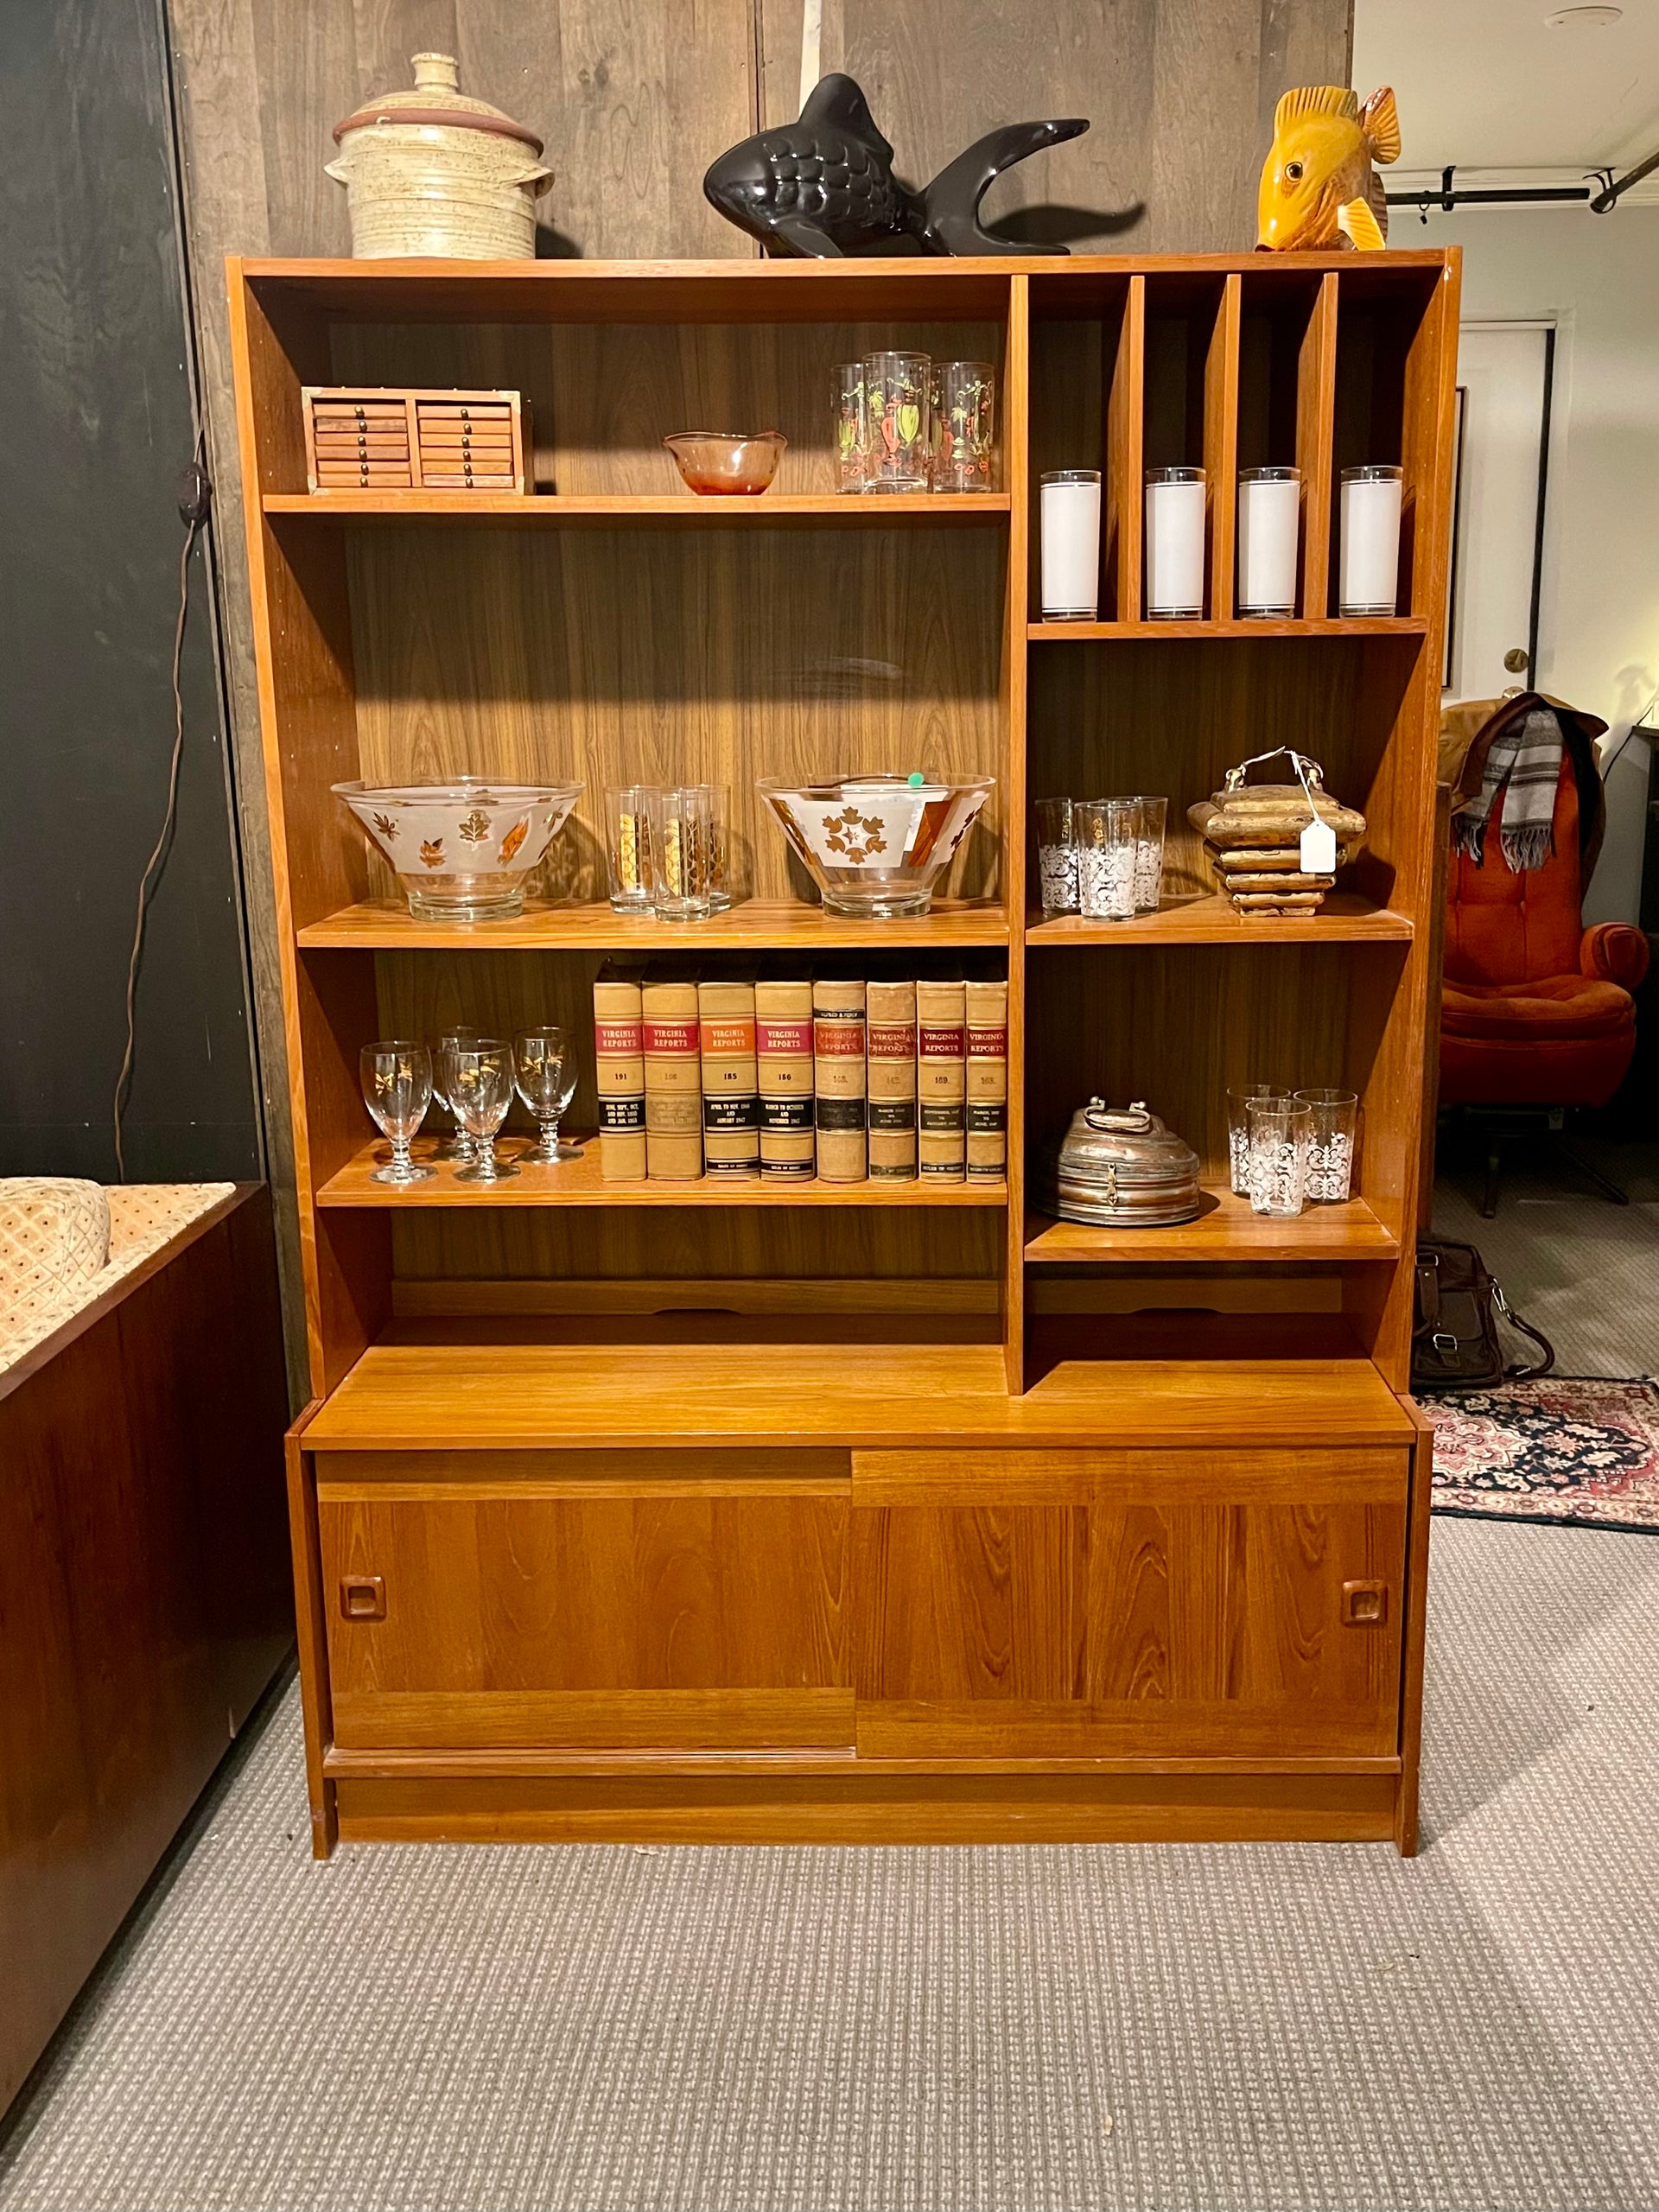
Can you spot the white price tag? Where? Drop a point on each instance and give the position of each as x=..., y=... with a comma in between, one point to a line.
x=1318, y=848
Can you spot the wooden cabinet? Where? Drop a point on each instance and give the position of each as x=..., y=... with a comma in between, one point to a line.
x=689, y=1619
x=1130, y=1604
x=1084, y=1604
x=880, y=1511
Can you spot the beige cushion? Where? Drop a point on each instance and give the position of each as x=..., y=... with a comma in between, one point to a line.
x=58, y=1254
x=54, y=1237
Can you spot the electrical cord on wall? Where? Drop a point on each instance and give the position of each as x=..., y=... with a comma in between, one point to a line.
x=195, y=498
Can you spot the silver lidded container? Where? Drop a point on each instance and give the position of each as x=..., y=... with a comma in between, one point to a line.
x=1120, y=1167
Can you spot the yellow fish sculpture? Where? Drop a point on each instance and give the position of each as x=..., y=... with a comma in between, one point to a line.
x=1318, y=183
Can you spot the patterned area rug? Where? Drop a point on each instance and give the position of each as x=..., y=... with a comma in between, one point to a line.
x=1578, y=1449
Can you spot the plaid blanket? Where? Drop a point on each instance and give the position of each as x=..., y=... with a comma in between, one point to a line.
x=1523, y=763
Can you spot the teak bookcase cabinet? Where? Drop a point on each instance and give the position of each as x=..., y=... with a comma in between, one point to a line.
x=876, y=1514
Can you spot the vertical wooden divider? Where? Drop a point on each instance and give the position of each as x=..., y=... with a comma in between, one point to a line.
x=307, y=699
x=1430, y=398
x=1406, y=789
x=1122, y=445
x=1316, y=431
x=1221, y=446
x=1016, y=445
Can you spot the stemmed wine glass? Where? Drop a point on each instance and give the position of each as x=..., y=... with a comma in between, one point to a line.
x=480, y=1092
x=546, y=1089
x=460, y=1145
x=396, y=1075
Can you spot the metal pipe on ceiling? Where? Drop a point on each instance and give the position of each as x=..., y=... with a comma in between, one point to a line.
x=1608, y=198
x=1600, y=203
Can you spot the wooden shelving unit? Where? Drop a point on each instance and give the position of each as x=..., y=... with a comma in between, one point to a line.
x=854, y=1513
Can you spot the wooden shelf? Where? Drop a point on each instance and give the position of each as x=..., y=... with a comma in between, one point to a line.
x=579, y=1183
x=1210, y=918
x=387, y=925
x=1366, y=625
x=728, y=290
x=482, y=1396
x=872, y=510
x=1225, y=1231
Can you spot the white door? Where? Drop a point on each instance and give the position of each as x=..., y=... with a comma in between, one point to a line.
x=1504, y=395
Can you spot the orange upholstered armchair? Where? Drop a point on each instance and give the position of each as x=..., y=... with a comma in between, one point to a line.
x=1536, y=1009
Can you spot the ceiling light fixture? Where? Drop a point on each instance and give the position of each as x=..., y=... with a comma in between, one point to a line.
x=1583, y=19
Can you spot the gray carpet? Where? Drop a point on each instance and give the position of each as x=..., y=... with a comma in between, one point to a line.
x=1195, y=2027
x=1583, y=1270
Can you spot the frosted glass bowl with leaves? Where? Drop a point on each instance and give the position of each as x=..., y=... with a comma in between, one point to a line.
x=463, y=850
x=875, y=846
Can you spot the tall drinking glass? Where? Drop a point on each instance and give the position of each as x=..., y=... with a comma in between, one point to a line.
x=546, y=1087
x=1332, y=1117
x=1057, y=856
x=480, y=1079
x=852, y=426
x=717, y=798
x=1070, y=582
x=1368, y=576
x=1106, y=852
x=1174, y=549
x=1269, y=533
x=965, y=425
x=1238, y=1130
x=897, y=388
x=396, y=1077
x=1278, y=1154
x=1149, y=852
x=679, y=830
x=628, y=848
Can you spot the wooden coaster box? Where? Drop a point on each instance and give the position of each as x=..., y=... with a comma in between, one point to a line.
x=390, y=439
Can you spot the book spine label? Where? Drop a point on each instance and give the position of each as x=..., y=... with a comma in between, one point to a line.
x=673, y=1083
x=987, y=1082
x=619, y=1078
x=891, y=1079
x=783, y=1044
x=731, y=1106
x=941, y=1058
x=789, y=1041
x=838, y=1024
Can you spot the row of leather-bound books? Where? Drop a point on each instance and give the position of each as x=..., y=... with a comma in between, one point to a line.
x=787, y=1080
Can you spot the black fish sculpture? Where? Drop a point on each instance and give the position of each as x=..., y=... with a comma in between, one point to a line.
x=824, y=187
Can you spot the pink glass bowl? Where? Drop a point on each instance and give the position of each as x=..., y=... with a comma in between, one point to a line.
x=720, y=464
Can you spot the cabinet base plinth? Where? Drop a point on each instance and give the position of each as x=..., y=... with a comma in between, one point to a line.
x=865, y=1807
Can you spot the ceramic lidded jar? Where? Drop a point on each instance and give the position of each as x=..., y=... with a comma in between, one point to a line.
x=432, y=173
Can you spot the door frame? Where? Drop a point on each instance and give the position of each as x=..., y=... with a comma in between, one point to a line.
x=1549, y=324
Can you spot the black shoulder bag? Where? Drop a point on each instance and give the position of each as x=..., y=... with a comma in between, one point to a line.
x=1454, y=1345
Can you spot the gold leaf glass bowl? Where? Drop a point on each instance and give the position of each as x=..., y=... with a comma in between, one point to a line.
x=463, y=850
x=875, y=846
x=724, y=463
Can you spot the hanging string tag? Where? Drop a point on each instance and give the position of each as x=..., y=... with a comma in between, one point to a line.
x=1319, y=839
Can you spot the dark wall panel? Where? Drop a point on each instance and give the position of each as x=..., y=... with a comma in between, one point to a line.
x=97, y=426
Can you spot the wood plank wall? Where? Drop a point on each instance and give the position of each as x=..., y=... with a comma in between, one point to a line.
x=635, y=97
